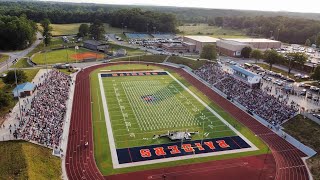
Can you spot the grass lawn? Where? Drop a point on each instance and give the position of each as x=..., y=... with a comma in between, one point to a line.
x=72, y=29
x=146, y=58
x=101, y=146
x=214, y=31
x=22, y=63
x=38, y=48
x=308, y=133
x=130, y=51
x=57, y=56
x=3, y=58
x=193, y=64
x=23, y=160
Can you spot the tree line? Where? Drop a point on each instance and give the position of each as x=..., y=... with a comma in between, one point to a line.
x=285, y=29
x=16, y=32
x=61, y=13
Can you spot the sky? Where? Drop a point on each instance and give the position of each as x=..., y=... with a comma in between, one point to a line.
x=264, y=5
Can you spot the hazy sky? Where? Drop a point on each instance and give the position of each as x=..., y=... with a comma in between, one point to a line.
x=265, y=5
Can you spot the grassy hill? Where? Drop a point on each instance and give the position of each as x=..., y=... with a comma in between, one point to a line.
x=23, y=160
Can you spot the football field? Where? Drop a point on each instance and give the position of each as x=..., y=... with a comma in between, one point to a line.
x=141, y=105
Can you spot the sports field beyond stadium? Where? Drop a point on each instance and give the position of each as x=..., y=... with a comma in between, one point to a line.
x=139, y=105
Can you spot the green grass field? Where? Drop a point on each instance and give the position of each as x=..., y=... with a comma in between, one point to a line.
x=214, y=31
x=57, y=56
x=23, y=160
x=135, y=120
x=130, y=51
x=3, y=57
x=70, y=29
x=193, y=64
x=101, y=144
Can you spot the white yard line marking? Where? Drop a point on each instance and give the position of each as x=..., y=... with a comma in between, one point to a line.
x=115, y=161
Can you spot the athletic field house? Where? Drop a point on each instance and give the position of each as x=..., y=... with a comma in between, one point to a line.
x=142, y=120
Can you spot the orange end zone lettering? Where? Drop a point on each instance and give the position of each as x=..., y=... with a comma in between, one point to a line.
x=174, y=149
x=222, y=144
x=187, y=147
x=199, y=146
x=145, y=153
x=210, y=144
x=159, y=151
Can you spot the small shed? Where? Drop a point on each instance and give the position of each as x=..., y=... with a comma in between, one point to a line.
x=22, y=90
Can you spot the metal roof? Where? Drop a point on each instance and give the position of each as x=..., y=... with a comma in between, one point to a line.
x=22, y=88
x=203, y=38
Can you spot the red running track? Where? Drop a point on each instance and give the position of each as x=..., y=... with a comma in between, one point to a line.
x=284, y=163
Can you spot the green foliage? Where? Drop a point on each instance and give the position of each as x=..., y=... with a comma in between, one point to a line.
x=209, y=52
x=45, y=24
x=16, y=32
x=256, y=54
x=97, y=30
x=10, y=78
x=5, y=100
x=316, y=73
x=271, y=57
x=296, y=58
x=245, y=52
x=193, y=64
x=83, y=30
x=218, y=21
x=143, y=21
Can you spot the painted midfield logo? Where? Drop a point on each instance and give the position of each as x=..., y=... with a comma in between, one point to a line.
x=149, y=98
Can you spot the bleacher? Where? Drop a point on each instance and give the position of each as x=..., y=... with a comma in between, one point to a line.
x=138, y=35
x=163, y=36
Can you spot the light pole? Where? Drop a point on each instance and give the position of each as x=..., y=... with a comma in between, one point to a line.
x=278, y=34
x=154, y=30
x=122, y=27
x=147, y=27
x=45, y=53
x=15, y=76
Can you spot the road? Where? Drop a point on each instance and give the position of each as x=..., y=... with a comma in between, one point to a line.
x=18, y=54
x=242, y=61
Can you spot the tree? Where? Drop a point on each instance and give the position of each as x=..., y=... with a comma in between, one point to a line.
x=218, y=21
x=296, y=58
x=245, y=52
x=256, y=54
x=10, y=78
x=45, y=24
x=316, y=73
x=307, y=43
x=83, y=30
x=5, y=100
x=16, y=32
x=209, y=52
x=271, y=57
x=97, y=30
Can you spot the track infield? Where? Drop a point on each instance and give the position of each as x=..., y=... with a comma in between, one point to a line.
x=128, y=144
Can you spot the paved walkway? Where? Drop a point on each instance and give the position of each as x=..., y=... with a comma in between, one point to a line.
x=13, y=118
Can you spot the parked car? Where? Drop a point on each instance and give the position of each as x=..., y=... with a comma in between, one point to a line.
x=303, y=92
x=309, y=95
x=314, y=88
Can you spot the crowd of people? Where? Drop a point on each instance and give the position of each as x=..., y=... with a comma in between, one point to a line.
x=43, y=121
x=271, y=108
